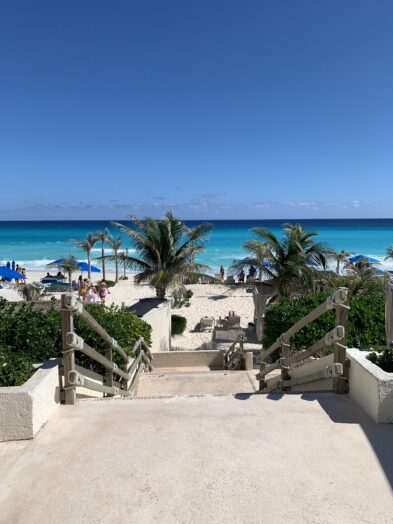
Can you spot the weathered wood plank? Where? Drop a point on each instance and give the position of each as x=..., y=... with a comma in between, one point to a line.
x=67, y=326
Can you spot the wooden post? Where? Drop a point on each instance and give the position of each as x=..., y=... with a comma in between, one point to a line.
x=340, y=385
x=108, y=373
x=67, y=326
x=285, y=353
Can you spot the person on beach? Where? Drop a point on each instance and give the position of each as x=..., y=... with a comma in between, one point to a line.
x=222, y=273
x=252, y=271
x=91, y=294
x=240, y=276
x=103, y=292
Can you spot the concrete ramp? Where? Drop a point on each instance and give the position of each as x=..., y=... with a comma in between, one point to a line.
x=188, y=382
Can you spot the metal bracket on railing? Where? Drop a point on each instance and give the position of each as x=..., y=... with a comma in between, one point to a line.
x=73, y=304
x=75, y=378
x=74, y=341
x=339, y=298
x=334, y=370
x=336, y=334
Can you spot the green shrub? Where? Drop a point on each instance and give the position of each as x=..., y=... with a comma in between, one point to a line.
x=384, y=360
x=29, y=335
x=366, y=321
x=15, y=369
x=109, y=283
x=179, y=324
x=188, y=294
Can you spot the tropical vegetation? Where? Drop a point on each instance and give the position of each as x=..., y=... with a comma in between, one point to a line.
x=87, y=245
x=29, y=335
x=288, y=262
x=68, y=265
x=166, y=250
x=366, y=321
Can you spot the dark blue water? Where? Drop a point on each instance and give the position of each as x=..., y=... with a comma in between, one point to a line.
x=34, y=244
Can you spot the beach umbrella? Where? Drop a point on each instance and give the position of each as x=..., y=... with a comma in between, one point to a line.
x=7, y=273
x=367, y=259
x=83, y=266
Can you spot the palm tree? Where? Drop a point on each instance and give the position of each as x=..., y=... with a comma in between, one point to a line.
x=68, y=265
x=389, y=253
x=102, y=236
x=340, y=256
x=166, y=250
x=292, y=257
x=258, y=256
x=115, y=244
x=87, y=245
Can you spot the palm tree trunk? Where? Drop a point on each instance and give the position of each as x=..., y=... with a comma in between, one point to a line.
x=88, y=265
x=160, y=292
x=117, y=266
x=103, y=260
x=338, y=267
x=69, y=280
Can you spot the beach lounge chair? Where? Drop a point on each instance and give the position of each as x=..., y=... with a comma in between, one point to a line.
x=232, y=322
x=206, y=324
x=230, y=280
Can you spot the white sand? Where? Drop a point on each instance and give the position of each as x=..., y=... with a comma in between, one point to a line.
x=207, y=300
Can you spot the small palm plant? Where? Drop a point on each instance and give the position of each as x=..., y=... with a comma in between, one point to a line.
x=68, y=265
x=291, y=257
x=166, y=250
x=87, y=245
x=115, y=244
x=341, y=256
x=102, y=236
x=258, y=257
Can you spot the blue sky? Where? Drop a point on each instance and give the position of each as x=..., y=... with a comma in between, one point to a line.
x=217, y=109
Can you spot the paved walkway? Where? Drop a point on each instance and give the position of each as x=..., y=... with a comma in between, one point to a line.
x=230, y=459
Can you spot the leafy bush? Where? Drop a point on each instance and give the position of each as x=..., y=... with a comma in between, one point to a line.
x=15, y=369
x=182, y=299
x=384, y=360
x=366, y=321
x=179, y=324
x=109, y=283
x=29, y=335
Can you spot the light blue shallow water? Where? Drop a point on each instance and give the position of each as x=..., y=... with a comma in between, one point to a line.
x=34, y=244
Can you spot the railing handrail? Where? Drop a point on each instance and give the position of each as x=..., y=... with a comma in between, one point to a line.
x=75, y=376
x=336, y=338
x=337, y=299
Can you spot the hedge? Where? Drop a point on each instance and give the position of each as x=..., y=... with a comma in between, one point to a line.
x=29, y=335
x=179, y=324
x=366, y=321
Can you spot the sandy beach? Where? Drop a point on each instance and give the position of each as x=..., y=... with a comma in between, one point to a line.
x=207, y=300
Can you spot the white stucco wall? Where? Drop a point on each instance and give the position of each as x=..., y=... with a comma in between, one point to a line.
x=159, y=318
x=370, y=386
x=25, y=409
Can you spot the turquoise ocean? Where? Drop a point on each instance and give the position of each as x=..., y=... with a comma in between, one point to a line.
x=33, y=244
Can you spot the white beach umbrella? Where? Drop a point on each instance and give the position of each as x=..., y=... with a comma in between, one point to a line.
x=389, y=313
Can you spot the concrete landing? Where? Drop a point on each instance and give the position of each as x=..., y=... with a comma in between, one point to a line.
x=245, y=459
x=185, y=383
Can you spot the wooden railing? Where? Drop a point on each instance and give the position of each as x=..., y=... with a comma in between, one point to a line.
x=234, y=355
x=335, y=338
x=117, y=380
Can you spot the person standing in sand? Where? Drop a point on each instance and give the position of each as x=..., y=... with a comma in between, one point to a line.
x=103, y=292
x=222, y=273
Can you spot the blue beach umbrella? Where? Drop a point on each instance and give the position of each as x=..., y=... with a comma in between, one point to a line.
x=370, y=260
x=7, y=273
x=83, y=266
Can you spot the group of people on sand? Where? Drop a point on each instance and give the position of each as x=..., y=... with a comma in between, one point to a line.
x=251, y=274
x=241, y=276
x=88, y=292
